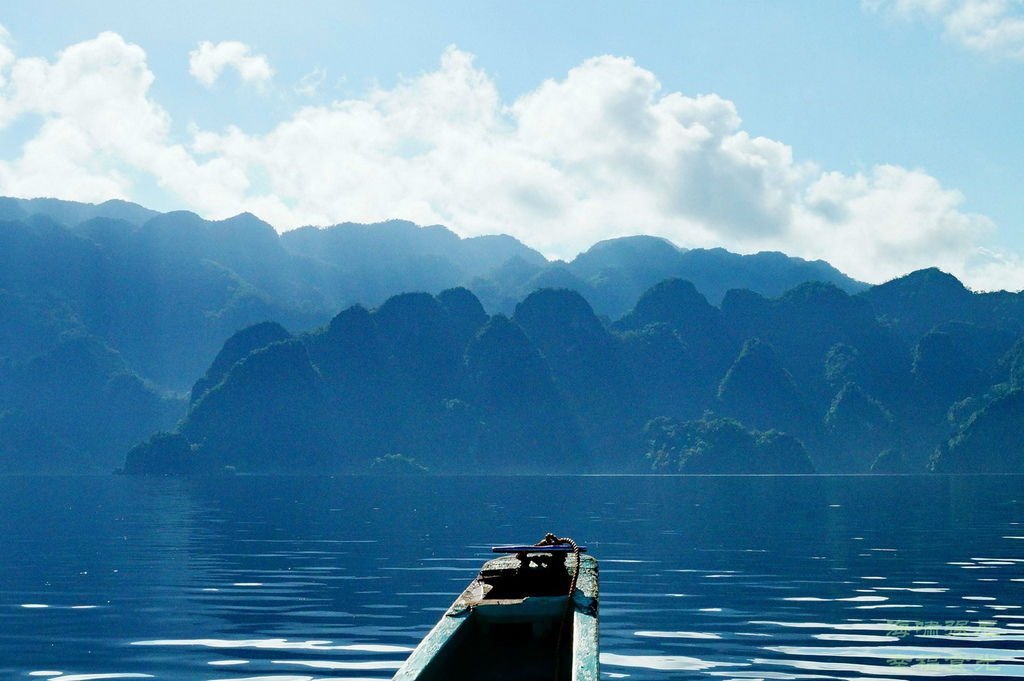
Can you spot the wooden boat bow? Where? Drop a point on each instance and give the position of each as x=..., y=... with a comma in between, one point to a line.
x=517, y=621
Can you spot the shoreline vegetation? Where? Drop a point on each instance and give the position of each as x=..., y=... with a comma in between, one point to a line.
x=636, y=357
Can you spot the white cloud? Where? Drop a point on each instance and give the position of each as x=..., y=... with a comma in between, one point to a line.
x=99, y=129
x=309, y=84
x=209, y=60
x=889, y=221
x=601, y=152
x=6, y=54
x=990, y=27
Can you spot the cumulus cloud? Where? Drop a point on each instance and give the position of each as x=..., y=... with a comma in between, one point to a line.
x=601, y=151
x=209, y=60
x=99, y=129
x=990, y=27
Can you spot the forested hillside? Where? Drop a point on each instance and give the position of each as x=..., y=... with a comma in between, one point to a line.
x=109, y=312
x=813, y=380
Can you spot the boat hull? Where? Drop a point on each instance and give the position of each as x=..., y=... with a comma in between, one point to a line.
x=511, y=624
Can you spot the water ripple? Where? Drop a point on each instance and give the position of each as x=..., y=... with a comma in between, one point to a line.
x=678, y=634
x=295, y=580
x=276, y=644
x=658, y=662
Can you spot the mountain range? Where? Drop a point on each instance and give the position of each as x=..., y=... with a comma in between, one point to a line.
x=455, y=354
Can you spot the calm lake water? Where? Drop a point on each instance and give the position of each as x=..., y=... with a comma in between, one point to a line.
x=293, y=579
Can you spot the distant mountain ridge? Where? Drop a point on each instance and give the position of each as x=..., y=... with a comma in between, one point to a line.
x=623, y=268
x=73, y=212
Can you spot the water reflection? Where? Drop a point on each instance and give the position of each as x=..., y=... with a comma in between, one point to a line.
x=293, y=578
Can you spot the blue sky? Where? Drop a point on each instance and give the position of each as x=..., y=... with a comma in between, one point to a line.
x=882, y=136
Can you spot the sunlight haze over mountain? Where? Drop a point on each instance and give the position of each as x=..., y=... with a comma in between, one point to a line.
x=881, y=136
